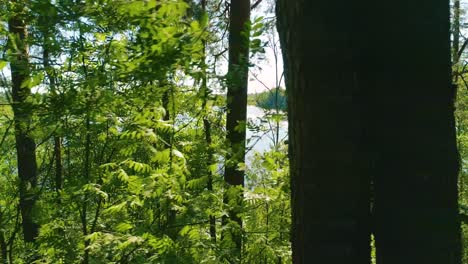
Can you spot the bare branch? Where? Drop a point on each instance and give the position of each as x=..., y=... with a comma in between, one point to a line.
x=255, y=4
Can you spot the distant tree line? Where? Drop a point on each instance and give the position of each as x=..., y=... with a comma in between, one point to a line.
x=272, y=99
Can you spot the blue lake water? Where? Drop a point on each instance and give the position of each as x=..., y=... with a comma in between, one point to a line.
x=263, y=139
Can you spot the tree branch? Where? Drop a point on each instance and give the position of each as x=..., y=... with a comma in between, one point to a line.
x=255, y=4
x=462, y=48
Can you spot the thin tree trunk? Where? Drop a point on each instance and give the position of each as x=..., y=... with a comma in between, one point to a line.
x=207, y=130
x=165, y=104
x=3, y=243
x=4, y=248
x=210, y=161
x=53, y=88
x=168, y=103
x=58, y=163
x=416, y=207
x=457, y=52
x=22, y=109
x=87, y=152
x=456, y=39
x=237, y=79
x=87, y=174
x=328, y=150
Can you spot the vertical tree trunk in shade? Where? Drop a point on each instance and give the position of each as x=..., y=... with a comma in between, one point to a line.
x=57, y=139
x=416, y=208
x=456, y=51
x=210, y=159
x=87, y=154
x=456, y=27
x=3, y=244
x=58, y=163
x=167, y=103
x=22, y=109
x=237, y=80
x=329, y=153
x=48, y=35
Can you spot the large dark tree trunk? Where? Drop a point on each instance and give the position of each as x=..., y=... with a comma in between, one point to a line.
x=417, y=163
x=237, y=79
x=329, y=157
x=371, y=100
x=22, y=109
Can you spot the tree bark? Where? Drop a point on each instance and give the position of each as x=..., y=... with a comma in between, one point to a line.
x=207, y=128
x=237, y=79
x=22, y=110
x=3, y=243
x=455, y=40
x=346, y=100
x=58, y=164
x=47, y=35
x=416, y=208
x=323, y=50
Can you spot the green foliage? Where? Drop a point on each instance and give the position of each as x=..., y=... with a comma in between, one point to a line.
x=124, y=92
x=461, y=116
x=270, y=100
x=118, y=85
x=268, y=212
